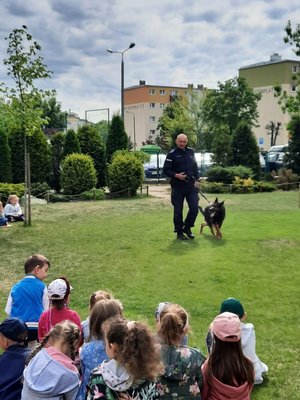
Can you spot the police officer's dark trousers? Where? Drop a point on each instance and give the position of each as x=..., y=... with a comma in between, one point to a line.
x=182, y=190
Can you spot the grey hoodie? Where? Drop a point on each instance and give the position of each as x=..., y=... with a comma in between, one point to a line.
x=46, y=378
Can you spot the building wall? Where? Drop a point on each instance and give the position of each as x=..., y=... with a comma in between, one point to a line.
x=263, y=78
x=147, y=102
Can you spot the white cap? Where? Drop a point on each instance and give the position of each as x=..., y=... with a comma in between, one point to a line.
x=57, y=289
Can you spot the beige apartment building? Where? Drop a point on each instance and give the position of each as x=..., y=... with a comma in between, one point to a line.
x=262, y=77
x=144, y=104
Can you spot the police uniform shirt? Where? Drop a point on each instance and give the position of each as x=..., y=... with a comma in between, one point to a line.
x=181, y=160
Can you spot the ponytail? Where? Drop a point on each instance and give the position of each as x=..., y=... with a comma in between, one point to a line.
x=173, y=324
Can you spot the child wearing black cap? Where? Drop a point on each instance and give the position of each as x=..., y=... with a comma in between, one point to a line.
x=13, y=332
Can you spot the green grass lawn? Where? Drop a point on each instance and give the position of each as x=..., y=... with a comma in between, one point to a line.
x=128, y=246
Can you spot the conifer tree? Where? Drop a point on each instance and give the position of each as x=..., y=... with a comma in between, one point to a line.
x=117, y=138
x=5, y=160
x=71, y=143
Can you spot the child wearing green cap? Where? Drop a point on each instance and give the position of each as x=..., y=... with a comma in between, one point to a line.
x=248, y=337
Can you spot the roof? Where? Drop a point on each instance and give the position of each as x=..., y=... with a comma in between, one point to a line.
x=264, y=63
x=164, y=86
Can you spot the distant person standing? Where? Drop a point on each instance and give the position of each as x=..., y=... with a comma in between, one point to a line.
x=181, y=166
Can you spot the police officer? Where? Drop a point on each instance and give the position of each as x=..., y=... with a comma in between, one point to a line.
x=180, y=165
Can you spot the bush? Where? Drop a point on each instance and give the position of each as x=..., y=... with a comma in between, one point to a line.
x=78, y=173
x=93, y=194
x=287, y=179
x=227, y=174
x=214, y=187
x=39, y=189
x=10, y=188
x=140, y=155
x=262, y=186
x=243, y=185
x=125, y=173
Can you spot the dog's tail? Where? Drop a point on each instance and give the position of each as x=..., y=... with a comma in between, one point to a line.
x=201, y=210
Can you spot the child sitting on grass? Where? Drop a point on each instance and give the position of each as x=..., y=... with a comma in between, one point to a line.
x=248, y=337
x=12, y=209
x=93, y=352
x=50, y=372
x=28, y=298
x=182, y=377
x=13, y=332
x=59, y=296
x=227, y=373
x=96, y=296
x=3, y=219
x=134, y=363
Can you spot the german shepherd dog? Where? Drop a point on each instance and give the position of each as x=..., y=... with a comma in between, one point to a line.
x=214, y=215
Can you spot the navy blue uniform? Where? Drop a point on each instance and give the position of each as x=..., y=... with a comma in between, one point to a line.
x=179, y=161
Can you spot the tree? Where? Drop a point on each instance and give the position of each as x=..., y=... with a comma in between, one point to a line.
x=40, y=157
x=232, y=102
x=222, y=147
x=103, y=128
x=57, y=147
x=273, y=130
x=292, y=158
x=71, y=143
x=56, y=119
x=91, y=143
x=117, y=138
x=244, y=148
x=5, y=160
x=289, y=103
x=78, y=173
x=25, y=66
x=16, y=144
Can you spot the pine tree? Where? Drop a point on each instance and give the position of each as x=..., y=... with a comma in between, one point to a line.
x=117, y=138
x=71, y=143
x=91, y=143
x=244, y=148
x=57, y=146
x=40, y=157
x=16, y=143
x=5, y=160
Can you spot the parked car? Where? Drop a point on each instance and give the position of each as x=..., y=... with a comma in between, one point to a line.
x=150, y=168
x=204, y=161
x=275, y=157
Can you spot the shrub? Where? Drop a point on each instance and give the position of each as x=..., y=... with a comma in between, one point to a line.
x=287, y=179
x=125, y=172
x=78, y=173
x=214, y=187
x=5, y=158
x=93, y=194
x=140, y=155
x=39, y=189
x=10, y=188
x=227, y=174
x=117, y=138
x=243, y=185
x=262, y=186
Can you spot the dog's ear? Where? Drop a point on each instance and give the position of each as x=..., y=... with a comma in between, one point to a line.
x=216, y=201
x=222, y=203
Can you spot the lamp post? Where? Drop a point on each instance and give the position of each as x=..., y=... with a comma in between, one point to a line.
x=134, y=141
x=122, y=73
x=97, y=109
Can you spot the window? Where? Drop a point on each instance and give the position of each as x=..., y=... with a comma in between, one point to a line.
x=152, y=132
x=294, y=88
x=174, y=92
x=152, y=91
x=162, y=92
x=294, y=69
x=152, y=118
x=152, y=105
x=162, y=105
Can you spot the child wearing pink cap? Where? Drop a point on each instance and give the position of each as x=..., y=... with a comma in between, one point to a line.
x=227, y=373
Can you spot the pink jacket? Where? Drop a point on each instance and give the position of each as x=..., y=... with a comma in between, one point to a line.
x=219, y=391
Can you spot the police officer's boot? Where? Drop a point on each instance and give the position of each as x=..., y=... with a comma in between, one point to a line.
x=181, y=236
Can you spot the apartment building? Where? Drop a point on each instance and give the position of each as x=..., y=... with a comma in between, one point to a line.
x=144, y=104
x=262, y=77
x=74, y=121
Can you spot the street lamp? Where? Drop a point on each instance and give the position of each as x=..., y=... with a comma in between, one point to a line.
x=134, y=141
x=122, y=74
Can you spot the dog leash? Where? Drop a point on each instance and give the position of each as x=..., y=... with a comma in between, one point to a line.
x=203, y=195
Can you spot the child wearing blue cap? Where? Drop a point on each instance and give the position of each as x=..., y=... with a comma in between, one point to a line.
x=13, y=333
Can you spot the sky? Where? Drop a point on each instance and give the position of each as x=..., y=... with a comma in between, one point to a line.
x=178, y=42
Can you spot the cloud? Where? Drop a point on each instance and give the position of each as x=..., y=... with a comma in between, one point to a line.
x=177, y=42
